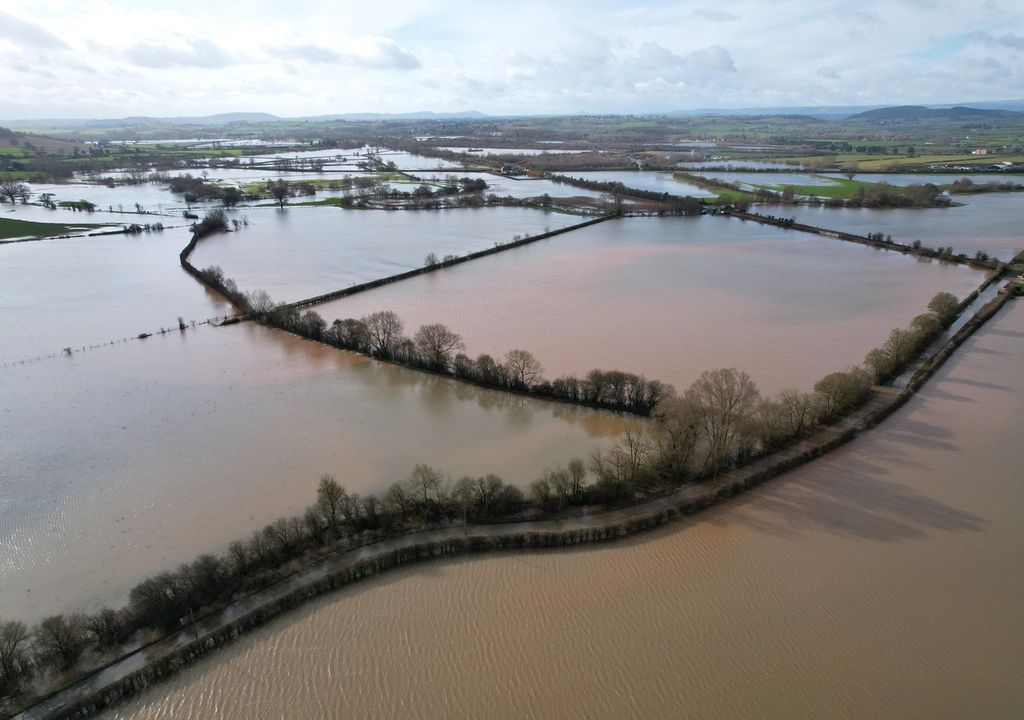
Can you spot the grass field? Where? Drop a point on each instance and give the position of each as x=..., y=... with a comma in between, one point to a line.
x=14, y=228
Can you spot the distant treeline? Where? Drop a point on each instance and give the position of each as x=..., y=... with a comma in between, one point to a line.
x=967, y=186
x=673, y=204
x=877, y=195
x=720, y=422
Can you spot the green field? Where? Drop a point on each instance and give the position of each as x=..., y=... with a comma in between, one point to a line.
x=14, y=228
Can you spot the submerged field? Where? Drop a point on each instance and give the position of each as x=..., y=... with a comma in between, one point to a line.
x=129, y=458
x=671, y=297
x=875, y=582
x=123, y=461
x=301, y=252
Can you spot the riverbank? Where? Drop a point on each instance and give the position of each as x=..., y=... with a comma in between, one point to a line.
x=134, y=672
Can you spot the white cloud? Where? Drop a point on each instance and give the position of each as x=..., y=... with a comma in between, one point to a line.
x=27, y=34
x=374, y=52
x=199, y=53
x=307, y=57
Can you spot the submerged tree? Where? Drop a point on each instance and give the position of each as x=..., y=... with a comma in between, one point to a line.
x=436, y=344
x=383, y=331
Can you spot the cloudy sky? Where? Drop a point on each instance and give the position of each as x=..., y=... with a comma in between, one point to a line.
x=96, y=58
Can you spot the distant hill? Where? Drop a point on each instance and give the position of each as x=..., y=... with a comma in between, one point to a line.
x=919, y=113
x=423, y=115
x=220, y=119
x=839, y=112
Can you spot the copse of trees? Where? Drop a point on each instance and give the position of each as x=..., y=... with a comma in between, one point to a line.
x=11, y=191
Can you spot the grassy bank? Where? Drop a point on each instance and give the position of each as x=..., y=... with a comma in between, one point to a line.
x=14, y=228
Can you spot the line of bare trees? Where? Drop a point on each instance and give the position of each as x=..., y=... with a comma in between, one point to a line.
x=437, y=348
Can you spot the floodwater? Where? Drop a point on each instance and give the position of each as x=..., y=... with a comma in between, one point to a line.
x=520, y=188
x=123, y=461
x=300, y=252
x=512, y=151
x=152, y=197
x=652, y=181
x=883, y=580
x=750, y=180
x=74, y=292
x=672, y=297
x=987, y=221
x=130, y=456
x=736, y=165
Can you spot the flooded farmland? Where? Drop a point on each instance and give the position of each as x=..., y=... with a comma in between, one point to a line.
x=302, y=252
x=120, y=462
x=672, y=297
x=881, y=581
x=983, y=222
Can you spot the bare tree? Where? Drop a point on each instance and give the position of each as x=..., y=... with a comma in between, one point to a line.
x=523, y=368
x=841, y=391
x=329, y=497
x=944, y=305
x=677, y=428
x=12, y=190
x=280, y=191
x=13, y=656
x=108, y=627
x=259, y=302
x=383, y=330
x=436, y=343
x=62, y=638
x=426, y=487
x=726, y=400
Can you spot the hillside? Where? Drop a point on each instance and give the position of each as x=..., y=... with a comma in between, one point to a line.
x=918, y=113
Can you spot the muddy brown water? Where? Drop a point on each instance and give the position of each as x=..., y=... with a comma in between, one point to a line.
x=883, y=580
x=672, y=297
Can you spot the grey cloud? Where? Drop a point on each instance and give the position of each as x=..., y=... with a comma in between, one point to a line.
x=22, y=32
x=379, y=53
x=1010, y=40
x=714, y=59
x=199, y=53
x=310, y=53
x=390, y=54
x=716, y=15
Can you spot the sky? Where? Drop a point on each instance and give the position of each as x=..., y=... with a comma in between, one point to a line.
x=100, y=59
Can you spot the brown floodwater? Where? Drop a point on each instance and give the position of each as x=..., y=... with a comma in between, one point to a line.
x=883, y=580
x=121, y=462
x=986, y=221
x=672, y=297
x=305, y=251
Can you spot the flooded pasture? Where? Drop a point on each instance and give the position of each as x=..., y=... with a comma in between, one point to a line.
x=984, y=222
x=301, y=252
x=672, y=297
x=124, y=461
x=880, y=581
x=652, y=181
